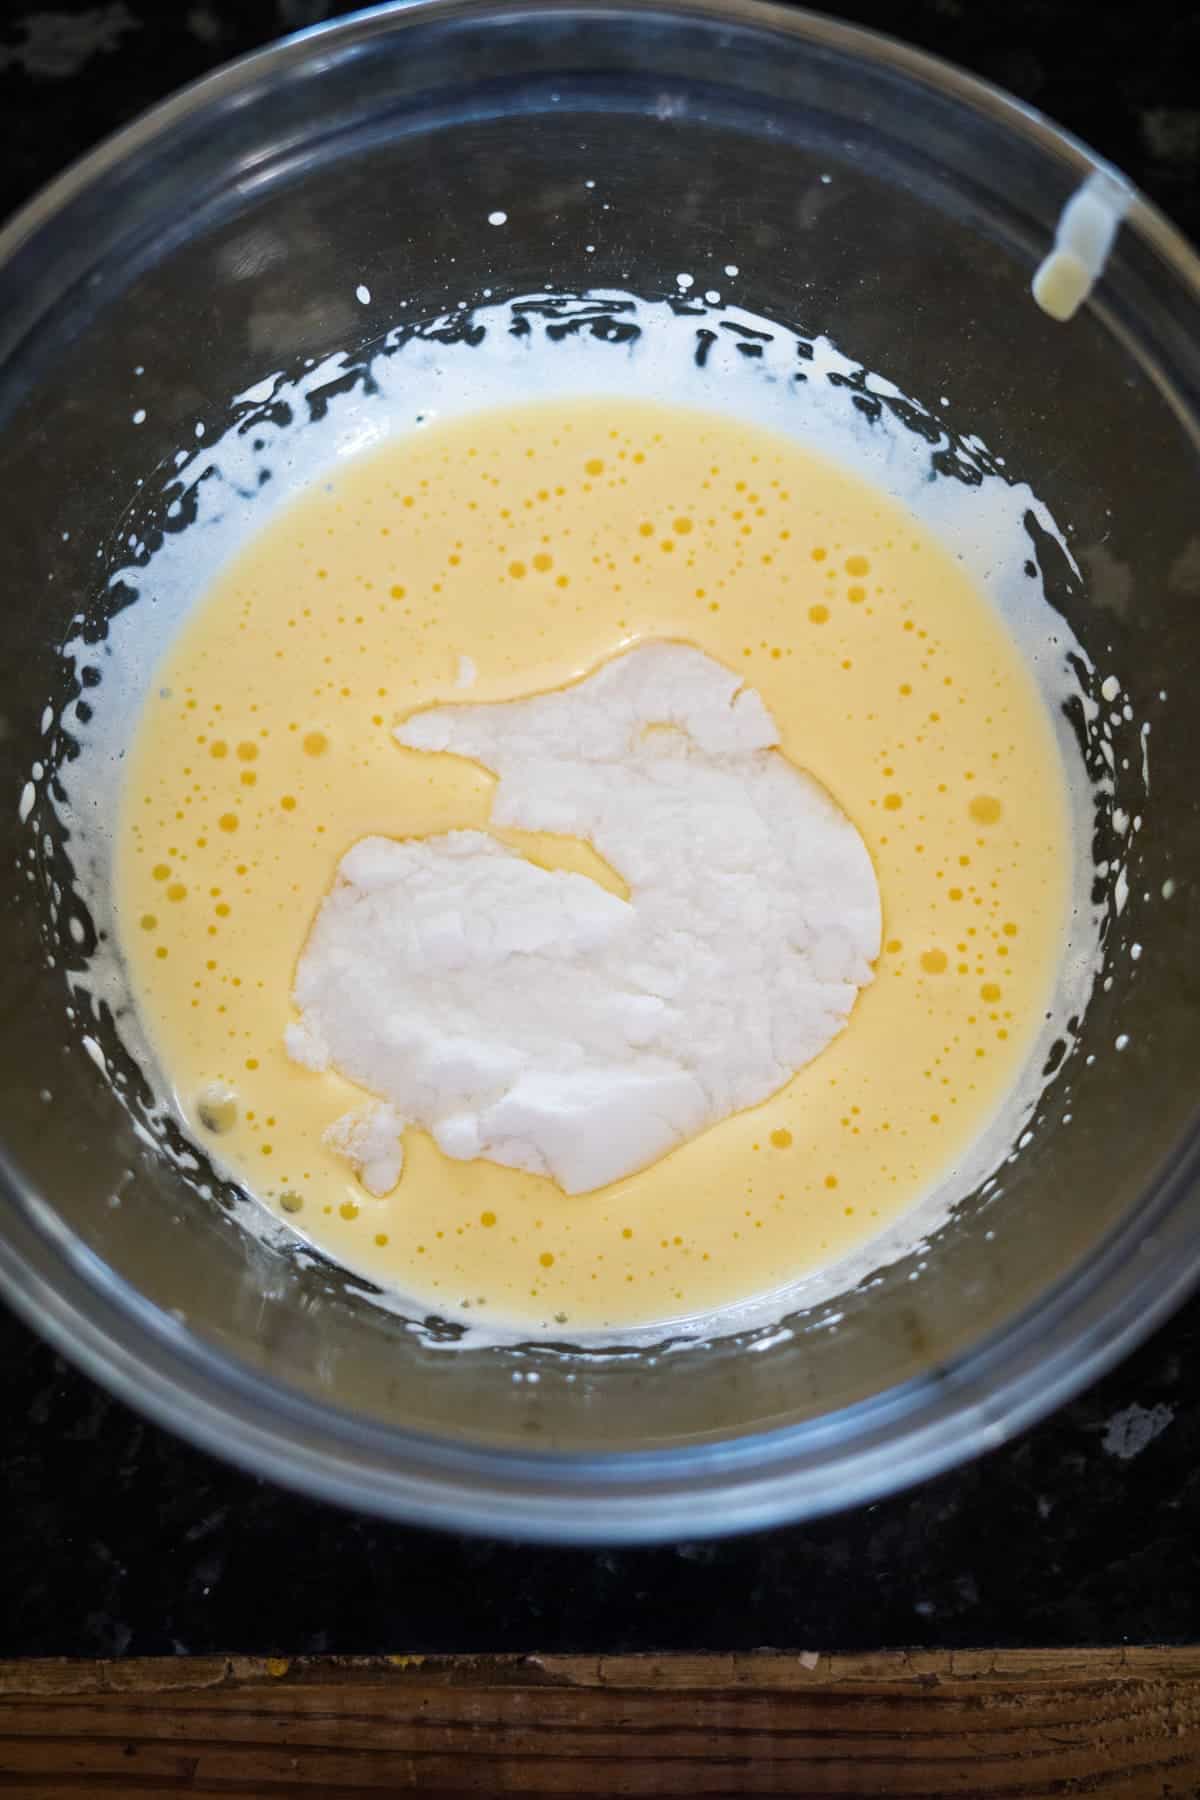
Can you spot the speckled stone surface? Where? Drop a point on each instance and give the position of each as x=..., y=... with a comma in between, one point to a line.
x=119, y=1540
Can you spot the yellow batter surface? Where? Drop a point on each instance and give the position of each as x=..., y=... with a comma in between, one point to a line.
x=536, y=542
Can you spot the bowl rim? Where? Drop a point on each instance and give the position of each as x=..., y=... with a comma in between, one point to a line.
x=799, y=22
x=1018, y=1372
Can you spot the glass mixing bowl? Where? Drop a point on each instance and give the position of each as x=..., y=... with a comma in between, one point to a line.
x=221, y=238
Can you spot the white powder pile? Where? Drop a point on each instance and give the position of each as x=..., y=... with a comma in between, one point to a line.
x=532, y=1017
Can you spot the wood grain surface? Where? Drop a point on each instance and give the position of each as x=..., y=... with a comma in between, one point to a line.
x=928, y=1724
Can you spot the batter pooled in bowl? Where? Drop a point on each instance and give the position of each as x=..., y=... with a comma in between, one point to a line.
x=504, y=850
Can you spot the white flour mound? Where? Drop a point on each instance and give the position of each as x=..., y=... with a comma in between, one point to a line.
x=532, y=1017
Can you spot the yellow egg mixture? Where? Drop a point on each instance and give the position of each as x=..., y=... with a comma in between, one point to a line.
x=537, y=541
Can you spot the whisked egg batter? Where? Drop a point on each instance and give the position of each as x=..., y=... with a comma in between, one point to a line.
x=511, y=553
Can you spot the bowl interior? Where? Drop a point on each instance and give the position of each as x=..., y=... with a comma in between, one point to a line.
x=223, y=241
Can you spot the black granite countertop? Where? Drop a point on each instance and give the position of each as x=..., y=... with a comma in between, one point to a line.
x=118, y=1539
